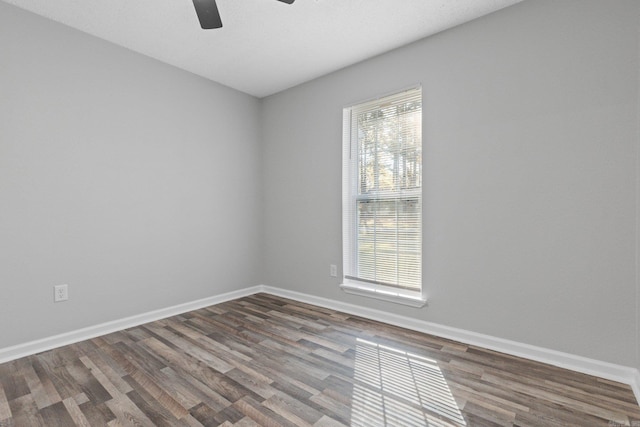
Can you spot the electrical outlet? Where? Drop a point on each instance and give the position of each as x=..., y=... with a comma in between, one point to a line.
x=60, y=293
x=333, y=270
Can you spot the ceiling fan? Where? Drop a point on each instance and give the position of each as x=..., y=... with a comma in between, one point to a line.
x=208, y=14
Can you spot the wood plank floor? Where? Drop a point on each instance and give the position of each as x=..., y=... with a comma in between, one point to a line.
x=269, y=361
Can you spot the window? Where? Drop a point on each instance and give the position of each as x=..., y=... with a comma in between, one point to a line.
x=382, y=198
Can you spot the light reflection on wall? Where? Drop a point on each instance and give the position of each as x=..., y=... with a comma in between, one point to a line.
x=396, y=388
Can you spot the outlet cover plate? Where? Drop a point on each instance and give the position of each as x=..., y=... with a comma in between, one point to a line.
x=60, y=293
x=333, y=270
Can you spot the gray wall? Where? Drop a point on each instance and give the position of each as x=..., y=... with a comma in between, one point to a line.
x=638, y=222
x=142, y=186
x=134, y=182
x=530, y=134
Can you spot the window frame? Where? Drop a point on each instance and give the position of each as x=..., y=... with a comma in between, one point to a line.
x=350, y=199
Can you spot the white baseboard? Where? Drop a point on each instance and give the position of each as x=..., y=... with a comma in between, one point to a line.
x=610, y=371
x=635, y=385
x=33, y=347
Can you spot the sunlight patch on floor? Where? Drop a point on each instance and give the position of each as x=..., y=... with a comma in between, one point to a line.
x=394, y=387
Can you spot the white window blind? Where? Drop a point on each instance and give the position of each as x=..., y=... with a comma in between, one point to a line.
x=382, y=193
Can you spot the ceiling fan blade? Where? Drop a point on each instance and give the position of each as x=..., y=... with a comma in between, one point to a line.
x=208, y=14
x=287, y=1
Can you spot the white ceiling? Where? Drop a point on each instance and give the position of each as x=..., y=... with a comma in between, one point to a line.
x=265, y=46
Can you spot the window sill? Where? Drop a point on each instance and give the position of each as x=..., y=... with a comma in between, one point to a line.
x=395, y=297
